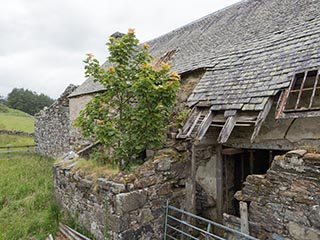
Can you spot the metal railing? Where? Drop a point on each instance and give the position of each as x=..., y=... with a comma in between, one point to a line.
x=17, y=149
x=178, y=228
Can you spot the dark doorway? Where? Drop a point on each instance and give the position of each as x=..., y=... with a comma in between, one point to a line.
x=238, y=164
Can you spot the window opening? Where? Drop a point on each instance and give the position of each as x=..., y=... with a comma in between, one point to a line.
x=304, y=92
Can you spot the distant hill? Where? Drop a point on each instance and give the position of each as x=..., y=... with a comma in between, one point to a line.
x=12, y=119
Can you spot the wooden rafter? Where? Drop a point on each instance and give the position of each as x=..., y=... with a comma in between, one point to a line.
x=227, y=128
x=204, y=126
x=261, y=118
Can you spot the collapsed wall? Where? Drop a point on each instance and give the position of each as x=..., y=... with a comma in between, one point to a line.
x=127, y=205
x=285, y=202
x=52, y=126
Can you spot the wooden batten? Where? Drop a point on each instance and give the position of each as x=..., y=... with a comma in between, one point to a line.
x=204, y=126
x=227, y=128
x=261, y=118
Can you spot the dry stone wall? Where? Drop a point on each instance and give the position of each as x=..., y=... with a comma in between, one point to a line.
x=17, y=133
x=286, y=201
x=52, y=127
x=127, y=205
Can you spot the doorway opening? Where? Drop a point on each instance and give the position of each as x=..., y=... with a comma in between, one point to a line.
x=237, y=165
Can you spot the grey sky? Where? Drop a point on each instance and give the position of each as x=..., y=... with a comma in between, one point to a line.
x=43, y=42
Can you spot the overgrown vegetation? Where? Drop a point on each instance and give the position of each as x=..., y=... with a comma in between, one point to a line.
x=27, y=208
x=132, y=113
x=93, y=170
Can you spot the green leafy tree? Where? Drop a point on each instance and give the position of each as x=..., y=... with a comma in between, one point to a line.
x=27, y=100
x=132, y=113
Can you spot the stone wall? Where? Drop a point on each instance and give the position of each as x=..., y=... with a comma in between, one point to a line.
x=18, y=133
x=52, y=125
x=127, y=205
x=285, y=202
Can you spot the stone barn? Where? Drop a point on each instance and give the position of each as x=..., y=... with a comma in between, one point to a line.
x=250, y=75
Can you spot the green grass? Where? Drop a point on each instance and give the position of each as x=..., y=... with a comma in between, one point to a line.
x=12, y=119
x=13, y=140
x=14, y=112
x=27, y=208
x=20, y=123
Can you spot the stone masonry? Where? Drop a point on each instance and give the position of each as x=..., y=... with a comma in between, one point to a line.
x=285, y=202
x=127, y=205
x=52, y=125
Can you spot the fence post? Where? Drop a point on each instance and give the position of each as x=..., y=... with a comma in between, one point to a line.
x=8, y=151
x=244, y=217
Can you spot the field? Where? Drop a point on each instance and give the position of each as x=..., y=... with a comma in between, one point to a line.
x=12, y=119
x=27, y=208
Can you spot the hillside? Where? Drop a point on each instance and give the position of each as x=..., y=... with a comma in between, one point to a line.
x=12, y=119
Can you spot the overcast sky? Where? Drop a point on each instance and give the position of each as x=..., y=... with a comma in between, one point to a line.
x=43, y=42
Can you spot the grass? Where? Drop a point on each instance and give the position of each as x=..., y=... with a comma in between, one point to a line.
x=93, y=170
x=12, y=119
x=27, y=208
x=13, y=140
x=19, y=123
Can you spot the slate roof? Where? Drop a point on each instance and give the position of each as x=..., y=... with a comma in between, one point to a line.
x=250, y=50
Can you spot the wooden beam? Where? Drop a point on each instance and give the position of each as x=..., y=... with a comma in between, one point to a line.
x=231, y=151
x=227, y=129
x=314, y=89
x=192, y=115
x=301, y=89
x=219, y=182
x=203, y=128
x=244, y=217
x=300, y=114
x=261, y=118
x=191, y=184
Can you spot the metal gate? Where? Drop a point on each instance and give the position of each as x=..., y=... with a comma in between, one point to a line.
x=178, y=226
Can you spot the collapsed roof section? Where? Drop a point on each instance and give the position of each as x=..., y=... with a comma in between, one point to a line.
x=251, y=51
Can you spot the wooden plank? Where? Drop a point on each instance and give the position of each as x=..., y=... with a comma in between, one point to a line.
x=227, y=129
x=219, y=182
x=194, y=124
x=244, y=217
x=232, y=151
x=191, y=188
x=314, y=89
x=300, y=114
x=301, y=88
x=261, y=118
x=203, y=128
x=187, y=125
x=286, y=95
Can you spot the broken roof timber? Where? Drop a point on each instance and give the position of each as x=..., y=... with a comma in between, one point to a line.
x=261, y=118
x=227, y=129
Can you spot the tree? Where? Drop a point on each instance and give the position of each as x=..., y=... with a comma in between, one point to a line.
x=132, y=113
x=27, y=101
x=2, y=100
